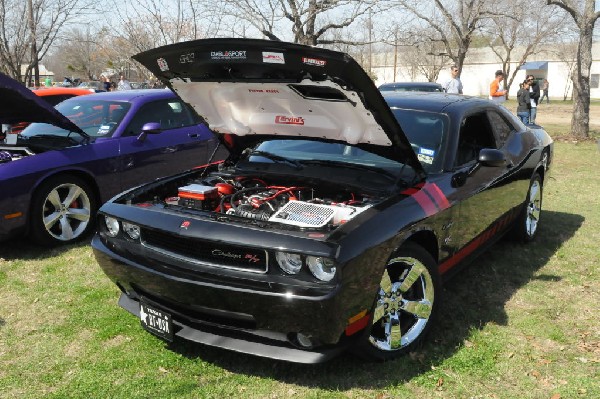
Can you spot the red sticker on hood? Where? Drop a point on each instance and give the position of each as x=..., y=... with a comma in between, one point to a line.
x=289, y=120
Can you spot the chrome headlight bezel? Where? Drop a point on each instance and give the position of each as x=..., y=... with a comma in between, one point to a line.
x=112, y=226
x=133, y=231
x=322, y=268
x=289, y=263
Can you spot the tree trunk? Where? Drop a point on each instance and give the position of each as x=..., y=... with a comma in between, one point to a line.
x=580, y=122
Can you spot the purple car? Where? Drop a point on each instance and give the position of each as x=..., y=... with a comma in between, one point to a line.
x=61, y=169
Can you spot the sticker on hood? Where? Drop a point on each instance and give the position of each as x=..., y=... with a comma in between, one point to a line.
x=273, y=58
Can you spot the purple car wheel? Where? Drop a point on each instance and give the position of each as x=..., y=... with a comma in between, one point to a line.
x=405, y=305
x=63, y=210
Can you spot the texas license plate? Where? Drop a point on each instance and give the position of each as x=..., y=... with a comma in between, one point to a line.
x=156, y=321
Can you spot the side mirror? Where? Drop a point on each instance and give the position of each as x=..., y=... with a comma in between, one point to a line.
x=491, y=157
x=149, y=128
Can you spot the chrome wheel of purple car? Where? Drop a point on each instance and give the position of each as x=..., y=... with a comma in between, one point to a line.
x=405, y=304
x=62, y=210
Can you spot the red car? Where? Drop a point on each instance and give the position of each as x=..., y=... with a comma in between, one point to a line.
x=53, y=96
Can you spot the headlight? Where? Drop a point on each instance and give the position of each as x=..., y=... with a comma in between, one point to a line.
x=112, y=226
x=289, y=263
x=132, y=230
x=321, y=268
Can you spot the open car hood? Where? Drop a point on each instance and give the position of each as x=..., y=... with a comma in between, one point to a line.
x=257, y=89
x=19, y=104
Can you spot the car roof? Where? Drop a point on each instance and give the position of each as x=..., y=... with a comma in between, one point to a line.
x=430, y=101
x=55, y=91
x=133, y=95
x=411, y=84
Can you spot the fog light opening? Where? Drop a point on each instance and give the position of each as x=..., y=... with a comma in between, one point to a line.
x=302, y=341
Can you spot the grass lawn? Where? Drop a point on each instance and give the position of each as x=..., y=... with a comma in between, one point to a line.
x=521, y=322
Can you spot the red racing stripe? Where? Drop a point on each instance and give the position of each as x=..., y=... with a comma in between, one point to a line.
x=438, y=195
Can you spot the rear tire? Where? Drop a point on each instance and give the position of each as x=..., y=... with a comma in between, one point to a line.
x=527, y=224
x=62, y=210
x=405, y=305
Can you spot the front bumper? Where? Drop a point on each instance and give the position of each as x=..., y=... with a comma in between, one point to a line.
x=238, y=318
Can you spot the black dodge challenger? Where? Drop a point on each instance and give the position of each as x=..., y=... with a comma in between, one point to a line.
x=337, y=215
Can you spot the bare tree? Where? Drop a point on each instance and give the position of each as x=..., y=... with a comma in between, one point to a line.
x=585, y=16
x=311, y=21
x=29, y=29
x=531, y=23
x=452, y=23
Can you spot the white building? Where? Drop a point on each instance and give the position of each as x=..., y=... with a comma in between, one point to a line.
x=481, y=64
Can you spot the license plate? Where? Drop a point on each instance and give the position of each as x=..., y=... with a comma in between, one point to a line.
x=156, y=321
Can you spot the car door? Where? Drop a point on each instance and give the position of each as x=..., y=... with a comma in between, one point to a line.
x=182, y=143
x=489, y=195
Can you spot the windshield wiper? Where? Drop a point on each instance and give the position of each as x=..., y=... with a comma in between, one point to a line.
x=350, y=165
x=276, y=158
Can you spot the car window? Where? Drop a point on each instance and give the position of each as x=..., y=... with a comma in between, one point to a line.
x=475, y=133
x=501, y=127
x=427, y=132
x=170, y=114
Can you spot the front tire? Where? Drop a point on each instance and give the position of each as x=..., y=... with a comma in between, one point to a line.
x=405, y=305
x=62, y=210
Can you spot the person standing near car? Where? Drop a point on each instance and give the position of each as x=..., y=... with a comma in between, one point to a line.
x=534, y=93
x=106, y=83
x=523, y=102
x=123, y=84
x=545, y=86
x=453, y=85
x=496, y=94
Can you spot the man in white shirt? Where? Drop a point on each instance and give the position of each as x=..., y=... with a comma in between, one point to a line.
x=453, y=85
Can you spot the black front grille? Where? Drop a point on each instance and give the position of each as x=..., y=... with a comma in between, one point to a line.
x=206, y=253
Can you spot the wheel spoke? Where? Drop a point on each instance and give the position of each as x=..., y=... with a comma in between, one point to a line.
x=414, y=273
x=54, y=199
x=74, y=192
x=51, y=220
x=83, y=215
x=67, y=231
x=393, y=332
x=420, y=309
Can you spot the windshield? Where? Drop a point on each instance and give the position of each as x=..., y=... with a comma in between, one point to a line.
x=97, y=118
x=427, y=133
x=342, y=160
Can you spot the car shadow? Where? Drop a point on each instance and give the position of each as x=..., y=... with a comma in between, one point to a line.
x=23, y=249
x=473, y=298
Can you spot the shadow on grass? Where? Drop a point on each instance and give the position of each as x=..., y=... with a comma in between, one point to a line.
x=473, y=298
x=23, y=249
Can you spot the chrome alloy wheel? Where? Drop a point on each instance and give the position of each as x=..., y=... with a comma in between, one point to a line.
x=534, y=207
x=66, y=212
x=404, y=304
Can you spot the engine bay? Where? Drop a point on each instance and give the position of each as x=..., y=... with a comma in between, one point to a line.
x=292, y=202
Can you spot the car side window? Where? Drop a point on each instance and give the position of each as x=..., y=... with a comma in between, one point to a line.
x=501, y=126
x=475, y=133
x=171, y=114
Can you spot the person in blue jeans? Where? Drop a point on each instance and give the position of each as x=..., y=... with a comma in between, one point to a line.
x=524, y=102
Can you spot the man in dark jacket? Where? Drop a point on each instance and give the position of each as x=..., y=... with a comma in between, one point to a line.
x=534, y=94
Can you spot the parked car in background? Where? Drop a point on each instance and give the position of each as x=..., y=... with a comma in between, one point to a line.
x=89, y=148
x=53, y=96
x=412, y=86
x=94, y=85
x=335, y=219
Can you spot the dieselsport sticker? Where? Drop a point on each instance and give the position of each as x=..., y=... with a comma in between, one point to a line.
x=289, y=120
x=162, y=64
x=314, y=61
x=273, y=58
x=228, y=55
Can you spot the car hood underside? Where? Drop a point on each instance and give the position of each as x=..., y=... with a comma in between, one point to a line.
x=19, y=104
x=258, y=89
